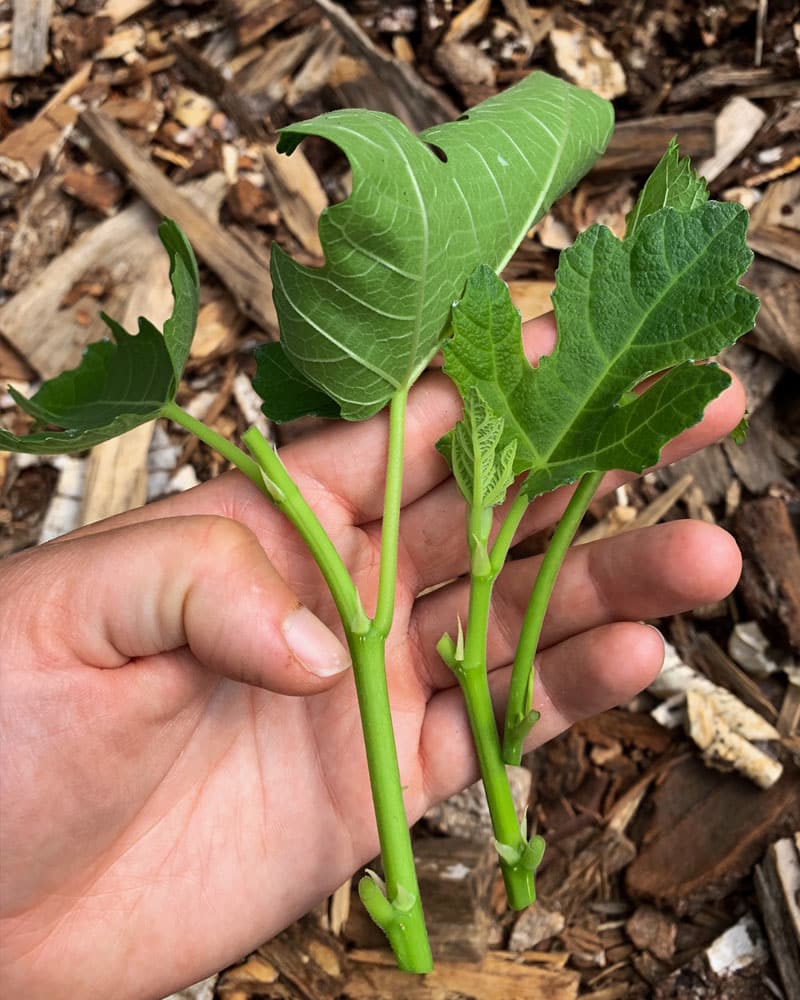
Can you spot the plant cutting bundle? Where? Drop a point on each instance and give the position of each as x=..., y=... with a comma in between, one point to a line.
x=411, y=265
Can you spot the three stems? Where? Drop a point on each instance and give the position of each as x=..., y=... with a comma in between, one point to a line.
x=396, y=906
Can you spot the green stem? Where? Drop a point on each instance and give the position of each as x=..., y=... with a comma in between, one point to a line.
x=473, y=677
x=275, y=481
x=390, y=536
x=399, y=913
x=520, y=716
x=508, y=529
x=226, y=448
x=402, y=920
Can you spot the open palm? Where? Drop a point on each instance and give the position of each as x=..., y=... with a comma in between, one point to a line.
x=176, y=789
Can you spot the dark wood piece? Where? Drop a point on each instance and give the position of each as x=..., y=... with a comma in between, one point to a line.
x=246, y=276
x=306, y=959
x=720, y=77
x=770, y=583
x=254, y=18
x=641, y=142
x=707, y=830
x=720, y=668
x=203, y=75
x=423, y=104
x=777, y=329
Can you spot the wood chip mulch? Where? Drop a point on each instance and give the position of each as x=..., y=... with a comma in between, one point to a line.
x=673, y=867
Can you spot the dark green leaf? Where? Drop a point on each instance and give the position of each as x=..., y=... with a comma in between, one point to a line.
x=625, y=310
x=424, y=211
x=122, y=383
x=185, y=280
x=287, y=394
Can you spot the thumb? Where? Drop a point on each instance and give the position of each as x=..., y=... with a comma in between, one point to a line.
x=199, y=581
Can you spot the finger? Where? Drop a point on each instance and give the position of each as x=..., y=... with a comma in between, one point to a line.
x=650, y=573
x=199, y=582
x=433, y=528
x=584, y=675
x=347, y=461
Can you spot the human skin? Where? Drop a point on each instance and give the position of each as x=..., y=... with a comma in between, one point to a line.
x=177, y=787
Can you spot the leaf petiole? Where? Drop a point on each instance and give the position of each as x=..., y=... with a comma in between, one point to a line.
x=278, y=485
x=242, y=461
x=473, y=677
x=390, y=535
x=520, y=716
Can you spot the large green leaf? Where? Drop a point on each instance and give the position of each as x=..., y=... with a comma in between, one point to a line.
x=664, y=297
x=424, y=211
x=122, y=383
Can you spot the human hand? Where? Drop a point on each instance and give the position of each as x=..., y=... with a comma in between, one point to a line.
x=178, y=787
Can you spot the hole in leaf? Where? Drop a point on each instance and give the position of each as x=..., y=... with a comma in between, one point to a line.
x=437, y=151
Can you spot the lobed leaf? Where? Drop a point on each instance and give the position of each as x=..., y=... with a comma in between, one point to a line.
x=120, y=383
x=663, y=297
x=424, y=211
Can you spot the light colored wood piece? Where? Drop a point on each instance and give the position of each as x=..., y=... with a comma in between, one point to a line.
x=532, y=298
x=339, y=907
x=23, y=151
x=45, y=335
x=30, y=33
x=121, y=10
x=471, y=17
x=50, y=338
x=777, y=242
x=246, y=276
x=736, y=125
x=116, y=475
x=494, y=977
x=298, y=193
x=777, y=882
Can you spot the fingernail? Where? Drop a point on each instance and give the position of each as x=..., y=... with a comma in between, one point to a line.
x=314, y=645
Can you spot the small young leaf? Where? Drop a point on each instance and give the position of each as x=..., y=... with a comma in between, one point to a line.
x=511, y=855
x=664, y=297
x=399, y=249
x=533, y=853
x=286, y=392
x=672, y=184
x=741, y=431
x=483, y=472
x=122, y=383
